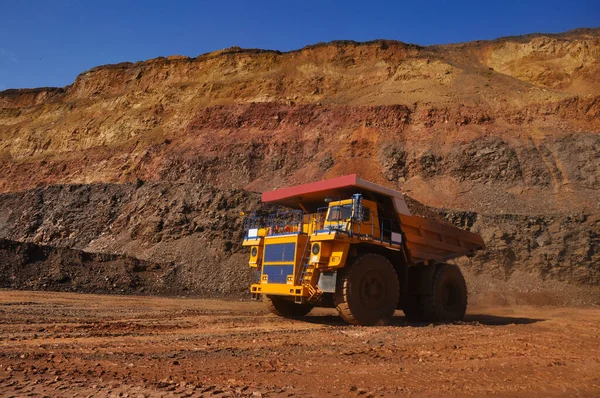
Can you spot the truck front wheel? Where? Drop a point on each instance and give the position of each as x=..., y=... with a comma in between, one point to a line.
x=281, y=306
x=367, y=291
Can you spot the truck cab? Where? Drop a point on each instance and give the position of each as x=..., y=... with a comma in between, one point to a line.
x=352, y=215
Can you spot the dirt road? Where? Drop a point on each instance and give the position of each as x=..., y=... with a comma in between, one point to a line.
x=58, y=344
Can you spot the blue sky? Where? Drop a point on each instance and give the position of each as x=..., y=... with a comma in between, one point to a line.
x=49, y=42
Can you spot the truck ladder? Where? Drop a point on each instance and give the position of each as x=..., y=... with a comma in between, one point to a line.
x=305, y=276
x=303, y=262
x=313, y=291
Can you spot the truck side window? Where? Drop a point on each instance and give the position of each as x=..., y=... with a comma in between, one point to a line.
x=340, y=213
x=366, y=214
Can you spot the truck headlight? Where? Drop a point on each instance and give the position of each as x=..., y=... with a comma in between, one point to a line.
x=316, y=248
x=254, y=252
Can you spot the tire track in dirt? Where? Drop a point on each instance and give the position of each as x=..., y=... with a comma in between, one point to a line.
x=62, y=344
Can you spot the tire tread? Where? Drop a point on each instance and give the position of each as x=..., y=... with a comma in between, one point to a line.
x=428, y=303
x=341, y=294
x=285, y=308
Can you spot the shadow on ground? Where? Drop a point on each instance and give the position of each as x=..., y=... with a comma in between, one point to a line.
x=483, y=319
x=493, y=320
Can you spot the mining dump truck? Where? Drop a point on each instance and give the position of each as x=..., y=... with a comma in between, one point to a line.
x=354, y=245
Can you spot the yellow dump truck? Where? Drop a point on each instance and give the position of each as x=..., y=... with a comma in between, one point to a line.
x=354, y=245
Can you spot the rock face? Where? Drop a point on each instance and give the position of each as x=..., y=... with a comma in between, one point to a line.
x=34, y=267
x=156, y=159
x=192, y=230
x=554, y=247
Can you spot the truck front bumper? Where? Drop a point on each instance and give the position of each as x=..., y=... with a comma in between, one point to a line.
x=279, y=289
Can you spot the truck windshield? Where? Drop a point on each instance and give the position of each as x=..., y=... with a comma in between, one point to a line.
x=339, y=213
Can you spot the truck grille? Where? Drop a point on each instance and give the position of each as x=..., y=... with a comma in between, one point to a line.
x=278, y=273
x=279, y=261
x=280, y=253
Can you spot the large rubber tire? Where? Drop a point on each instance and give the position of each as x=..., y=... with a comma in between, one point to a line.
x=281, y=306
x=367, y=291
x=449, y=299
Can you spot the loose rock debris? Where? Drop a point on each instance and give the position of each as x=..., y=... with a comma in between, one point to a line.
x=66, y=344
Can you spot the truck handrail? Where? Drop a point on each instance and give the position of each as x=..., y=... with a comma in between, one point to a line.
x=351, y=227
x=287, y=222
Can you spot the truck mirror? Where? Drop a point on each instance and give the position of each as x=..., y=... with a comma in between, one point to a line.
x=357, y=213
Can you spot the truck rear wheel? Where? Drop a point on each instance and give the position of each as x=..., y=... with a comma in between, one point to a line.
x=449, y=299
x=281, y=306
x=367, y=291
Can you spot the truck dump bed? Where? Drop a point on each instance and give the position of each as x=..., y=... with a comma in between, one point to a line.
x=425, y=239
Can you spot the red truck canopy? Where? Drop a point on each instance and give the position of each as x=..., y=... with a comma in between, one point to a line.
x=312, y=196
